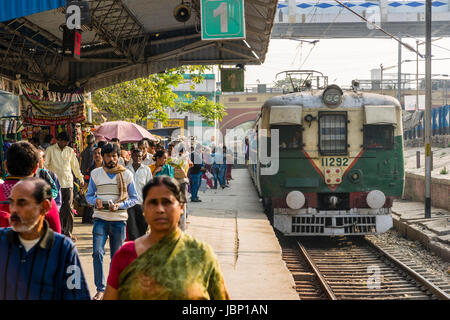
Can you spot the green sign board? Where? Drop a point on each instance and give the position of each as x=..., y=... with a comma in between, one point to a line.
x=222, y=19
x=232, y=79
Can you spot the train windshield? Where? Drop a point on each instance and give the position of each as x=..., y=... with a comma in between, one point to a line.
x=290, y=136
x=378, y=136
x=333, y=133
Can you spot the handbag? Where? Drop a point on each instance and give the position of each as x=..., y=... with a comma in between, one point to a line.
x=179, y=173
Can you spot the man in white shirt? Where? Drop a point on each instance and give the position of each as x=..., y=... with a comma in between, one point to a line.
x=147, y=158
x=136, y=224
x=61, y=159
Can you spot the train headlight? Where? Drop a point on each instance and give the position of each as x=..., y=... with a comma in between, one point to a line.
x=332, y=95
x=376, y=199
x=295, y=200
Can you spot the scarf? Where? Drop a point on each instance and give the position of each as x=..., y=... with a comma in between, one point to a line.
x=119, y=170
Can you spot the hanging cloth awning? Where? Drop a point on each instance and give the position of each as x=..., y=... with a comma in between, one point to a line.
x=11, y=9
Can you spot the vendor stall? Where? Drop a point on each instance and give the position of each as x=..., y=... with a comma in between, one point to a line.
x=32, y=112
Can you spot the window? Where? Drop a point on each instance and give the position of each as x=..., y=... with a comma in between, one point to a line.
x=333, y=133
x=378, y=136
x=290, y=136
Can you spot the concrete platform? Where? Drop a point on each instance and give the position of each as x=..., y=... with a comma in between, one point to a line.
x=440, y=182
x=232, y=221
x=409, y=214
x=434, y=233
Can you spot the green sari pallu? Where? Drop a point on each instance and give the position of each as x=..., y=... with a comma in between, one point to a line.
x=178, y=267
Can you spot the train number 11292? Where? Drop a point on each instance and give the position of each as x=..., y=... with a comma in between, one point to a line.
x=334, y=162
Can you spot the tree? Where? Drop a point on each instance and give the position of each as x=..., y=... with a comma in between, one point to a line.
x=152, y=97
x=286, y=83
x=208, y=109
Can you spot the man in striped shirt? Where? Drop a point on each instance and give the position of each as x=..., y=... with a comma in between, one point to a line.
x=111, y=191
x=37, y=263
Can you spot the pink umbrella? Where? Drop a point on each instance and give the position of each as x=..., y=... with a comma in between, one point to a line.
x=125, y=131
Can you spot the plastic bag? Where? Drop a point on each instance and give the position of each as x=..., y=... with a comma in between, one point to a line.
x=203, y=186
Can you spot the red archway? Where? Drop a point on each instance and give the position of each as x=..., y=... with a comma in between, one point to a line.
x=236, y=117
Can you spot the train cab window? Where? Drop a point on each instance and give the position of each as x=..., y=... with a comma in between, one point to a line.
x=290, y=136
x=333, y=133
x=378, y=136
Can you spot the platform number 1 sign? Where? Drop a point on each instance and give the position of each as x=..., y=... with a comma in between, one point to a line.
x=223, y=19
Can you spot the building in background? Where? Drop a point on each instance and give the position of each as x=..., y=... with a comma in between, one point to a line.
x=189, y=123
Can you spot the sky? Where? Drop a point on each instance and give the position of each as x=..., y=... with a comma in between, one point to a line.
x=343, y=60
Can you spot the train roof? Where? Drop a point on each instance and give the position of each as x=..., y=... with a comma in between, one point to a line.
x=313, y=99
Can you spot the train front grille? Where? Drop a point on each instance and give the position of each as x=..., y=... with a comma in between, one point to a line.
x=320, y=225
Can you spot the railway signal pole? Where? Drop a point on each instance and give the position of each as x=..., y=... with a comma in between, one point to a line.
x=428, y=109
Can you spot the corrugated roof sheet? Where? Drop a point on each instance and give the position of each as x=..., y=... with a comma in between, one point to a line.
x=11, y=9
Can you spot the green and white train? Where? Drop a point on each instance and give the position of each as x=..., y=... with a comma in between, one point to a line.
x=340, y=161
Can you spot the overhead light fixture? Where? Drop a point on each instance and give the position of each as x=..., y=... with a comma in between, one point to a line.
x=182, y=12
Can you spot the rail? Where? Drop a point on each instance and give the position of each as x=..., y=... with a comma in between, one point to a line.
x=339, y=267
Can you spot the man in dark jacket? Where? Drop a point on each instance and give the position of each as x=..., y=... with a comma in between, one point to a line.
x=87, y=159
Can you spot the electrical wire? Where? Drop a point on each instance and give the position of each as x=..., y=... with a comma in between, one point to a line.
x=309, y=53
x=381, y=29
x=434, y=45
x=321, y=36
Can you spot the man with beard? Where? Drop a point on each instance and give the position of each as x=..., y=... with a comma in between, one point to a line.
x=111, y=191
x=61, y=159
x=37, y=263
x=136, y=224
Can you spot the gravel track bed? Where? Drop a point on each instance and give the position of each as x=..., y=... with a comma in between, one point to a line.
x=415, y=251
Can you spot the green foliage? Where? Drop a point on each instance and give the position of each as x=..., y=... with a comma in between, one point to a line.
x=444, y=171
x=205, y=108
x=152, y=97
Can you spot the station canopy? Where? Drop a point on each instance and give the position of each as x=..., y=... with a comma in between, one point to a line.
x=125, y=39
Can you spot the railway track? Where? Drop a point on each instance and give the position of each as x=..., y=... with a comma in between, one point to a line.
x=356, y=268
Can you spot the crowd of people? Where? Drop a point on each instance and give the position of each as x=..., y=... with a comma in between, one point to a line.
x=136, y=199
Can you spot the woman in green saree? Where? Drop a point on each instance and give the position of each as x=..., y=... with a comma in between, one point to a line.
x=165, y=264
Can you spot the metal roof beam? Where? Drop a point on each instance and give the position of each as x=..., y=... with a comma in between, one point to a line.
x=213, y=61
x=113, y=13
x=51, y=37
x=238, y=54
x=19, y=34
x=174, y=39
x=196, y=46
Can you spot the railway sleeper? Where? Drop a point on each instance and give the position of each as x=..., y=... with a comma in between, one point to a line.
x=382, y=288
x=353, y=268
x=308, y=276
x=404, y=294
x=388, y=298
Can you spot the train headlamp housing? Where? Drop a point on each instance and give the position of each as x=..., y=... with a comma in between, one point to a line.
x=376, y=199
x=355, y=176
x=332, y=96
x=295, y=200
